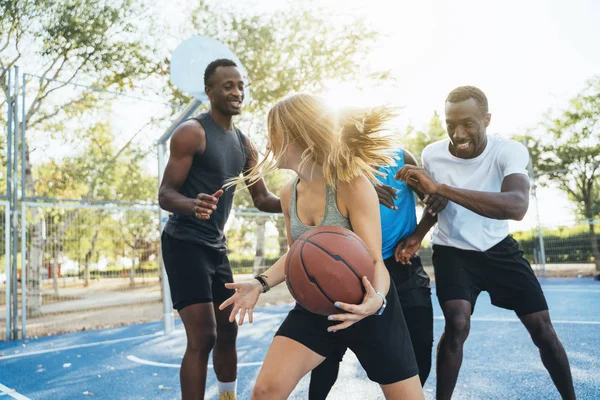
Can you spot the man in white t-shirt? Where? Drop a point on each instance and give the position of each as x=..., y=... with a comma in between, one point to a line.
x=485, y=180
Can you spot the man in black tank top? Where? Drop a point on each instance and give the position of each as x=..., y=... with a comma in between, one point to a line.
x=205, y=152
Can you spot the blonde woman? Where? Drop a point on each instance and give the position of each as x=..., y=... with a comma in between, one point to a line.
x=335, y=159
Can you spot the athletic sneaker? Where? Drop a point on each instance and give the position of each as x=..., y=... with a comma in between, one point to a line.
x=227, y=396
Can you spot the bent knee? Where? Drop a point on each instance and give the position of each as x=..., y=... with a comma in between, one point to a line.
x=268, y=390
x=227, y=333
x=458, y=326
x=203, y=341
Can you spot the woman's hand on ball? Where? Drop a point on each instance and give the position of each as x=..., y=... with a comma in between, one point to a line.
x=244, y=299
x=356, y=312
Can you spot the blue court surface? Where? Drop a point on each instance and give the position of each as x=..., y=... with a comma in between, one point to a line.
x=139, y=362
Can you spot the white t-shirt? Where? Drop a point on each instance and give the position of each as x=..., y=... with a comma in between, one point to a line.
x=457, y=226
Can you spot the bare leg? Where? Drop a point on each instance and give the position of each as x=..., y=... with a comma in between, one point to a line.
x=551, y=350
x=408, y=389
x=286, y=362
x=457, y=314
x=200, y=329
x=225, y=354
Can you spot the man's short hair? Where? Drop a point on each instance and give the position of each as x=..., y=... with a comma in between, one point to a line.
x=463, y=93
x=212, y=67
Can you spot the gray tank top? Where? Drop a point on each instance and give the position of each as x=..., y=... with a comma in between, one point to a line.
x=331, y=217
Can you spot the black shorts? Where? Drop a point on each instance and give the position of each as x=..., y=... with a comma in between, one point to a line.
x=381, y=342
x=502, y=271
x=197, y=273
x=409, y=279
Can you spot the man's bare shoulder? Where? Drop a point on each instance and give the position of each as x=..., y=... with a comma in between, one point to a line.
x=189, y=137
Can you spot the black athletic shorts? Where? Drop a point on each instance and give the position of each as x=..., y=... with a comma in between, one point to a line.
x=381, y=342
x=411, y=280
x=502, y=271
x=197, y=273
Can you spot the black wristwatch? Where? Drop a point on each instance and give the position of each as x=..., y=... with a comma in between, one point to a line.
x=263, y=281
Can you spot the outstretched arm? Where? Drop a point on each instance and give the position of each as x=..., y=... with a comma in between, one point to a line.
x=510, y=203
x=247, y=293
x=433, y=203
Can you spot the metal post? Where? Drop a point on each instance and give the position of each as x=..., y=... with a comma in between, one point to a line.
x=168, y=317
x=7, y=245
x=8, y=275
x=15, y=210
x=23, y=216
x=542, y=258
x=9, y=138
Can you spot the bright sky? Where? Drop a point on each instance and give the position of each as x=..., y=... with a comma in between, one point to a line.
x=527, y=56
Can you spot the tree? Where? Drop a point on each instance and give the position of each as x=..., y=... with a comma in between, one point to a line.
x=286, y=51
x=138, y=227
x=71, y=40
x=416, y=141
x=106, y=172
x=569, y=155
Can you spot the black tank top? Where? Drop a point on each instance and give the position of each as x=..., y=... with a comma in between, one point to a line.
x=225, y=156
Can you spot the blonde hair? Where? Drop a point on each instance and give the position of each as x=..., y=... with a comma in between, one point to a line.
x=344, y=144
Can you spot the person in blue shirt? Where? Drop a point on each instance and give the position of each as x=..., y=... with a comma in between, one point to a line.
x=398, y=221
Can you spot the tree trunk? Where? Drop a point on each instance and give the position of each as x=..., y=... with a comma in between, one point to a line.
x=55, y=274
x=35, y=262
x=594, y=242
x=282, y=235
x=259, y=255
x=132, y=273
x=88, y=258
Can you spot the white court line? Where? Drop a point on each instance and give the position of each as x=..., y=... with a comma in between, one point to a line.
x=12, y=393
x=165, y=365
x=81, y=346
x=566, y=290
x=554, y=321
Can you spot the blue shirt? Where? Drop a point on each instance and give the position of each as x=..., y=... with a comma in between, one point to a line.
x=396, y=224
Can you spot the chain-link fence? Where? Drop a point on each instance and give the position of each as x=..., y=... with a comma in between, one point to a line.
x=4, y=268
x=82, y=175
x=90, y=266
x=255, y=240
x=562, y=248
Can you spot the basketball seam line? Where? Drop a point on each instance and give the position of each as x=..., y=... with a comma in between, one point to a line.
x=310, y=277
x=341, y=234
x=335, y=257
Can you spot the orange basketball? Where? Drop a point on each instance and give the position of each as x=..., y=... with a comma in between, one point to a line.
x=326, y=264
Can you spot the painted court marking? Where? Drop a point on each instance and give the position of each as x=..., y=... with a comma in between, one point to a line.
x=166, y=365
x=554, y=321
x=80, y=346
x=6, y=391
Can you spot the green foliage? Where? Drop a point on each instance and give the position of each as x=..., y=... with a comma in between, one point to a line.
x=291, y=50
x=569, y=154
x=95, y=41
x=415, y=141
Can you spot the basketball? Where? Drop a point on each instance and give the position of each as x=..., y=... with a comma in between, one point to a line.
x=326, y=264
